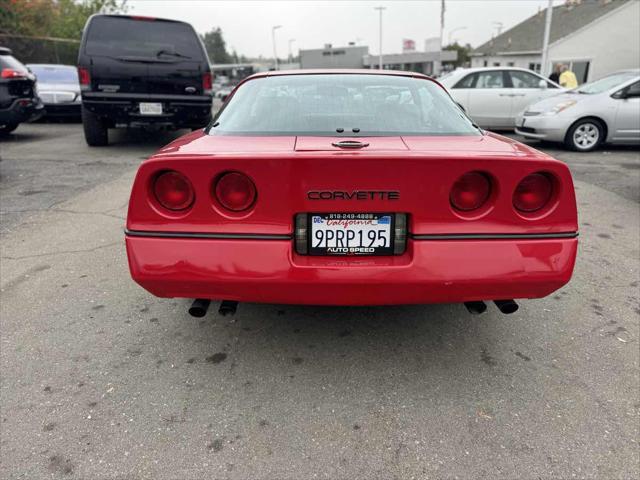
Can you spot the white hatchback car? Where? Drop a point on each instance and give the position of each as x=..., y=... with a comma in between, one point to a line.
x=494, y=96
x=604, y=111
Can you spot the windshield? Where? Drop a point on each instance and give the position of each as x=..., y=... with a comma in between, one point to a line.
x=606, y=83
x=123, y=37
x=51, y=74
x=341, y=104
x=7, y=61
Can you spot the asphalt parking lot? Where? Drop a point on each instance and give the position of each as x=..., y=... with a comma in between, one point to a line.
x=102, y=380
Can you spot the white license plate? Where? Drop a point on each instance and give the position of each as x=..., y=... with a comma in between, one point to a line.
x=351, y=234
x=151, y=109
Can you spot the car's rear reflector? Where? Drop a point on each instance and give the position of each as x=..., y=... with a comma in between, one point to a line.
x=470, y=191
x=83, y=76
x=12, y=73
x=207, y=82
x=235, y=191
x=533, y=193
x=173, y=191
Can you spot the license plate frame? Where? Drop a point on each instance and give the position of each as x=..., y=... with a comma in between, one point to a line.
x=346, y=219
x=150, y=108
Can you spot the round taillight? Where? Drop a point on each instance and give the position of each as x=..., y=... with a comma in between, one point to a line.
x=173, y=191
x=533, y=193
x=235, y=191
x=470, y=191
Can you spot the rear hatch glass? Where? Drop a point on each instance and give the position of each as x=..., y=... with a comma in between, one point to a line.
x=150, y=40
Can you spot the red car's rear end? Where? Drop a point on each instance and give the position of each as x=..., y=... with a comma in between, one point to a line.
x=254, y=218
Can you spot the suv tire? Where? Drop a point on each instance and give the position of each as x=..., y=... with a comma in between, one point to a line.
x=96, y=132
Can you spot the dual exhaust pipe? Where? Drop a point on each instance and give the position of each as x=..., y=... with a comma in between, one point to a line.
x=505, y=306
x=200, y=306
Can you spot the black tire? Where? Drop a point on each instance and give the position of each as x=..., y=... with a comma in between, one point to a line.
x=585, y=135
x=96, y=132
x=7, y=128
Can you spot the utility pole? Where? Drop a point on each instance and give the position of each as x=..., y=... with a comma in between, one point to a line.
x=380, y=9
x=544, y=69
x=442, y=10
x=273, y=39
x=291, y=40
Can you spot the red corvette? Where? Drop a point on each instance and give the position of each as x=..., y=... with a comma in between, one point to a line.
x=340, y=187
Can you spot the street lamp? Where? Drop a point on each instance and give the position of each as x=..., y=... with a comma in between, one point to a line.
x=291, y=40
x=273, y=39
x=380, y=9
x=454, y=31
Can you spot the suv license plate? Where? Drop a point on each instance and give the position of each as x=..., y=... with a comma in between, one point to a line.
x=151, y=109
x=351, y=233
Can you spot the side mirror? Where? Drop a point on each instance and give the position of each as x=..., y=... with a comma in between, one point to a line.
x=542, y=84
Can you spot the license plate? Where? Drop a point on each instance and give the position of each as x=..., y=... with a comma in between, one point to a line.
x=151, y=109
x=351, y=233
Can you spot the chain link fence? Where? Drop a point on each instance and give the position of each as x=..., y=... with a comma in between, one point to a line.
x=41, y=49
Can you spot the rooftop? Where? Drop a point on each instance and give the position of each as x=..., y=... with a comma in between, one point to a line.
x=567, y=18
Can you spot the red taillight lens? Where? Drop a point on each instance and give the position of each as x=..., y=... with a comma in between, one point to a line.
x=12, y=73
x=173, y=191
x=470, y=191
x=83, y=76
x=207, y=81
x=235, y=191
x=533, y=193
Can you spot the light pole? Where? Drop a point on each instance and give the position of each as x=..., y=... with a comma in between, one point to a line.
x=291, y=40
x=273, y=39
x=544, y=70
x=380, y=9
x=454, y=31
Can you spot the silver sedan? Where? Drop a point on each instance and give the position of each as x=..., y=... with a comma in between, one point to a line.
x=604, y=111
x=58, y=88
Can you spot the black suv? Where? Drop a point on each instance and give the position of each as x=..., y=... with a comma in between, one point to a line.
x=142, y=72
x=19, y=101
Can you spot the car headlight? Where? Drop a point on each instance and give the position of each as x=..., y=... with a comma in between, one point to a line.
x=560, y=107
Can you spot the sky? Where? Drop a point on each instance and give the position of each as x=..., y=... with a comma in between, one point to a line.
x=247, y=25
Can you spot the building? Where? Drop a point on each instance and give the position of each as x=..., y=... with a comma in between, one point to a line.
x=353, y=56
x=594, y=37
x=333, y=57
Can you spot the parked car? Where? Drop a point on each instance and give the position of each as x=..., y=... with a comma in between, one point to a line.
x=604, y=111
x=493, y=97
x=361, y=187
x=19, y=101
x=58, y=88
x=142, y=72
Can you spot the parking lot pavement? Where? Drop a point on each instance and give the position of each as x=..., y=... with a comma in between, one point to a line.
x=102, y=380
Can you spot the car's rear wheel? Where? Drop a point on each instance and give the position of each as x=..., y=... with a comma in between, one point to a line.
x=7, y=128
x=585, y=135
x=96, y=132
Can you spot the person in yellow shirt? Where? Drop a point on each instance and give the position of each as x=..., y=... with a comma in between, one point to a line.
x=568, y=78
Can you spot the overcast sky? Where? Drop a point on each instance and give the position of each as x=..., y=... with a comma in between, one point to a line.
x=247, y=24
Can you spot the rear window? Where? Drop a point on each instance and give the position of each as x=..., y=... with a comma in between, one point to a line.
x=130, y=37
x=341, y=104
x=50, y=74
x=7, y=61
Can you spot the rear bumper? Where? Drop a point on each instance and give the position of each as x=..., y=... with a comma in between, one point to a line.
x=22, y=110
x=430, y=271
x=178, y=110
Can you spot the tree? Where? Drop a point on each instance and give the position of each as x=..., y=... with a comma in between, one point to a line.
x=464, y=58
x=216, y=46
x=52, y=18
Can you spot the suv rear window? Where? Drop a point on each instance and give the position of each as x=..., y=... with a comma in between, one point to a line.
x=7, y=61
x=130, y=37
